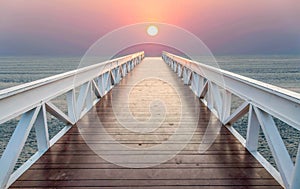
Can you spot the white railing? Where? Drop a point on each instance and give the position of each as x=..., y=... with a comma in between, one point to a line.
x=31, y=101
x=262, y=101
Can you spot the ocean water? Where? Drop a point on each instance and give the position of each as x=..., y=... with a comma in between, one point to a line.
x=279, y=70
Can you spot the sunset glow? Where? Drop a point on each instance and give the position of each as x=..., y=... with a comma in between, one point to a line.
x=70, y=27
x=152, y=30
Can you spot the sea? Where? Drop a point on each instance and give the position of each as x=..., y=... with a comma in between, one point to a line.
x=278, y=70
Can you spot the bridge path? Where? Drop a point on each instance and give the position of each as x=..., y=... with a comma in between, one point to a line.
x=150, y=89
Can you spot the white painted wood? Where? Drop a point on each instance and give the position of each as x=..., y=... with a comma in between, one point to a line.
x=204, y=90
x=41, y=130
x=108, y=80
x=209, y=98
x=96, y=89
x=236, y=134
x=112, y=77
x=237, y=114
x=84, y=89
x=71, y=103
x=117, y=76
x=17, y=100
x=258, y=156
x=277, y=147
x=179, y=71
x=89, y=98
x=128, y=67
x=218, y=102
x=186, y=76
x=267, y=165
x=195, y=84
x=124, y=70
x=280, y=103
x=226, y=105
x=15, y=175
x=100, y=85
x=56, y=112
x=15, y=145
x=296, y=172
x=131, y=63
x=252, y=131
x=60, y=134
x=276, y=101
x=175, y=67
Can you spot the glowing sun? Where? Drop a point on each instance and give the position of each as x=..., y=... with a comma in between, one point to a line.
x=152, y=30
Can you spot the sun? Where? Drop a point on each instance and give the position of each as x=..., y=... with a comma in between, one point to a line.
x=152, y=30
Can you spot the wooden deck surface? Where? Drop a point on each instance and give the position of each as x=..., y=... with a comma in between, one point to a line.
x=72, y=163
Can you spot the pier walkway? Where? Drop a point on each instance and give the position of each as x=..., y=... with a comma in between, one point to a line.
x=80, y=158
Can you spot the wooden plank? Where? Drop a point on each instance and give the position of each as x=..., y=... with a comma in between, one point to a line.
x=167, y=165
x=70, y=163
x=211, y=158
x=150, y=182
x=81, y=146
x=210, y=186
x=182, y=173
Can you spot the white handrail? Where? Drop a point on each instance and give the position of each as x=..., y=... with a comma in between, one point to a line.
x=262, y=101
x=12, y=101
x=32, y=101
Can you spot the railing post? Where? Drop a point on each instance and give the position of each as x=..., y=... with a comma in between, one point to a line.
x=196, y=84
x=118, y=74
x=217, y=99
x=252, y=131
x=124, y=70
x=131, y=64
x=175, y=67
x=186, y=76
x=277, y=147
x=71, y=102
x=41, y=130
x=296, y=173
x=204, y=90
x=83, y=93
x=15, y=145
x=179, y=70
x=100, y=84
x=89, y=99
x=209, y=97
x=226, y=105
x=108, y=81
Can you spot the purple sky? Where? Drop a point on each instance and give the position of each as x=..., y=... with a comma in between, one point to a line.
x=69, y=27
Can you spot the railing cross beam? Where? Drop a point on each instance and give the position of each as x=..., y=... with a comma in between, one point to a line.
x=15, y=145
x=279, y=151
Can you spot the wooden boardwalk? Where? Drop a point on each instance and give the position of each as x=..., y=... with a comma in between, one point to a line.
x=72, y=163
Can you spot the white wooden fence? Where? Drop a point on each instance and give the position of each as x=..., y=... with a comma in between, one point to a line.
x=212, y=85
x=262, y=101
x=32, y=101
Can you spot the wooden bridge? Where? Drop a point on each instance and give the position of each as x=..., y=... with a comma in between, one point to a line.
x=206, y=153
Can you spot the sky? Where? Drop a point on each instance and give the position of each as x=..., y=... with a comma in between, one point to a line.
x=70, y=27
